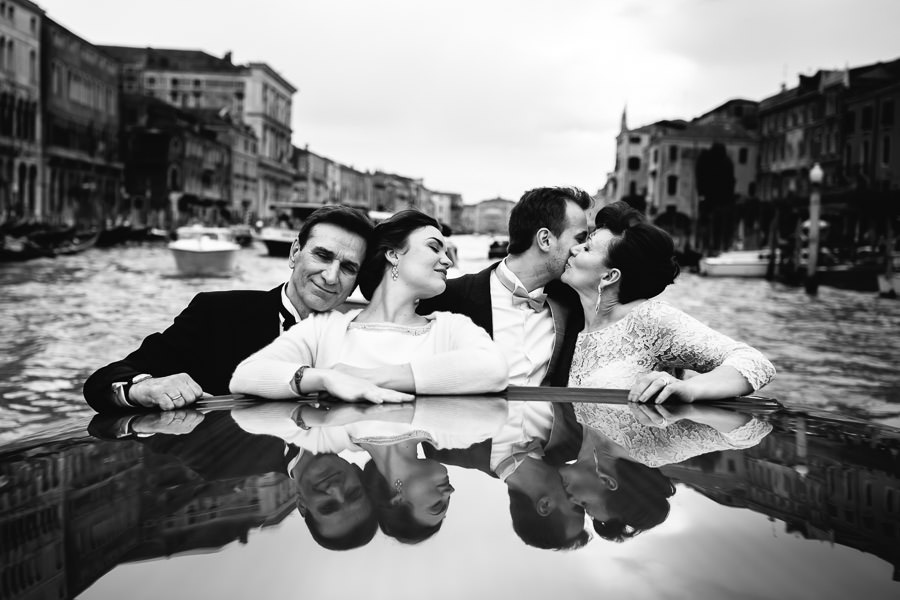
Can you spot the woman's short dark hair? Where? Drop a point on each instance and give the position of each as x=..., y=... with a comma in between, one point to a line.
x=345, y=217
x=396, y=520
x=644, y=253
x=547, y=533
x=640, y=502
x=617, y=217
x=542, y=207
x=391, y=234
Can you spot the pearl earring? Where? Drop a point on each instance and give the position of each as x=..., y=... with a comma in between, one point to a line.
x=395, y=275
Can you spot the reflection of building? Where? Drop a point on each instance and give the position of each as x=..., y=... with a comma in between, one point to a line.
x=833, y=481
x=216, y=513
x=71, y=515
x=99, y=477
x=21, y=169
x=81, y=125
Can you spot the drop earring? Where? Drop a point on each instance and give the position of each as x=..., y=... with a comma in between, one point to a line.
x=599, y=298
x=395, y=273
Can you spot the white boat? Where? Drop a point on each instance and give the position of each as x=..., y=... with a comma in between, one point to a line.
x=205, y=251
x=736, y=263
x=278, y=240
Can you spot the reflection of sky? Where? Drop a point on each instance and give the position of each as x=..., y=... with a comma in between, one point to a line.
x=703, y=550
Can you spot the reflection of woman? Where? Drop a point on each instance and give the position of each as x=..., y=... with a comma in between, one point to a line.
x=630, y=338
x=385, y=351
x=615, y=478
x=411, y=495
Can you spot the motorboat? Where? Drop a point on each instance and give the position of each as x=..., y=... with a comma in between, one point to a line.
x=204, y=251
x=737, y=263
x=278, y=240
x=499, y=247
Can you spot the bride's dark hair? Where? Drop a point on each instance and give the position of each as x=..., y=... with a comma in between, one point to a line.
x=390, y=234
x=644, y=253
x=640, y=502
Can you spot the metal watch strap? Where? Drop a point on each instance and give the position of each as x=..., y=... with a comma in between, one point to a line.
x=298, y=377
x=134, y=381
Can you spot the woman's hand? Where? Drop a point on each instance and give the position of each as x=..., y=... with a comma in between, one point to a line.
x=338, y=413
x=350, y=388
x=657, y=386
x=721, y=419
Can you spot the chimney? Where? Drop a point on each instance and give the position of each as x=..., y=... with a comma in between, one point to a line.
x=227, y=57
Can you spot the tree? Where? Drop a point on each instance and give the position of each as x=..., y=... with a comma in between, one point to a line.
x=715, y=186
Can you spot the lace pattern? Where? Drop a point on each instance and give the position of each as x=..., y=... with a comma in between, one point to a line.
x=676, y=443
x=656, y=336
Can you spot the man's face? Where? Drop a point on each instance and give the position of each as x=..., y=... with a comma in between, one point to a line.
x=325, y=268
x=575, y=232
x=332, y=495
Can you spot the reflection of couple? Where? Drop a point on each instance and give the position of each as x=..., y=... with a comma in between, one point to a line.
x=409, y=496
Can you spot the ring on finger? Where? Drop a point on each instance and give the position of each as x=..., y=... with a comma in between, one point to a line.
x=175, y=397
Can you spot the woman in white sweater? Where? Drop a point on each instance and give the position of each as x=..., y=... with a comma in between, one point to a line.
x=384, y=352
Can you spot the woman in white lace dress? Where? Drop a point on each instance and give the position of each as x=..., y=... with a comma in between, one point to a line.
x=634, y=341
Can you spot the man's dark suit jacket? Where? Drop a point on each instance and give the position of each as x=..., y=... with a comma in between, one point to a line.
x=563, y=445
x=207, y=341
x=471, y=295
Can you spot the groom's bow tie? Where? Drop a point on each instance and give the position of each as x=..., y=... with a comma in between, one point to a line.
x=520, y=295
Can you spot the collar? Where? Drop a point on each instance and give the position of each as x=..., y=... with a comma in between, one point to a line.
x=287, y=308
x=536, y=299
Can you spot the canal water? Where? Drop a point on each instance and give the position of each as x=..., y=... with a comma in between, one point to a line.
x=62, y=318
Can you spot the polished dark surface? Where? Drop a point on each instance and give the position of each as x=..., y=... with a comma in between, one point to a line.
x=202, y=508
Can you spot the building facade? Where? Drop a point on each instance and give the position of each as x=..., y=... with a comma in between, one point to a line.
x=21, y=160
x=176, y=169
x=256, y=92
x=83, y=170
x=356, y=188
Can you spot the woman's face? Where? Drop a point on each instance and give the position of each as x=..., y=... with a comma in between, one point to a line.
x=587, y=263
x=428, y=491
x=423, y=265
x=585, y=488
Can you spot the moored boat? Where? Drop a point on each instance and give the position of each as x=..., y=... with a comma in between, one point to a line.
x=205, y=251
x=278, y=240
x=736, y=263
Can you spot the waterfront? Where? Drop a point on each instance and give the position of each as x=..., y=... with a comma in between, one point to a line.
x=62, y=318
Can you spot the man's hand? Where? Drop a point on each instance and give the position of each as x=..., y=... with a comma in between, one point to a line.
x=167, y=393
x=355, y=389
x=175, y=422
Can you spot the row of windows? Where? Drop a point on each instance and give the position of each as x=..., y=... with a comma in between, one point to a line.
x=176, y=83
x=76, y=87
x=8, y=11
x=867, y=117
x=8, y=59
x=634, y=162
x=864, y=152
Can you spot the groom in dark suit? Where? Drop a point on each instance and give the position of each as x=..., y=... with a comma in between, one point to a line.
x=199, y=351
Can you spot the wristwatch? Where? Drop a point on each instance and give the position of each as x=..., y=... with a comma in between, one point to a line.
x=121, y=389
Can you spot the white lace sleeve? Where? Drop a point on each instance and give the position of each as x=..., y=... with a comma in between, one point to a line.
x=687, y=343
x=676, y=443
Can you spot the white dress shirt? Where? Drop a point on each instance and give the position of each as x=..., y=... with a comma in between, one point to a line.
x=525, y=336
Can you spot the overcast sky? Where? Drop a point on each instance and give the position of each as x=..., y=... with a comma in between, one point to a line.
x=493, y=97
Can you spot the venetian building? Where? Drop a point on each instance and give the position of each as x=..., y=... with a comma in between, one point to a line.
x=356, y=188
x=447, y=207
x=492, y=216
x=83, y=170
x=317, y=180
x=628, y=180
x=21, y=169
x=255, y=91
x=392, y=193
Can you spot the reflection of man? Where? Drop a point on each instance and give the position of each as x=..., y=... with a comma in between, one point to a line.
x=200, y=350
x=332, y=500
x=535, y=319
x=525, y=453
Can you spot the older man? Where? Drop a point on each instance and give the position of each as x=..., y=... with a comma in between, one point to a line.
x=199, y=351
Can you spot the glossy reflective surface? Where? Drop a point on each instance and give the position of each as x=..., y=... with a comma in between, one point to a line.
x=810, y=508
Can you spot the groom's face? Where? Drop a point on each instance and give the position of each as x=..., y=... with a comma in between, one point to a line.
x=325, y=268
x=575, y=232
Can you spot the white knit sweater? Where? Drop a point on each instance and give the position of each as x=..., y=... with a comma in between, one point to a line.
x=450, y=356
